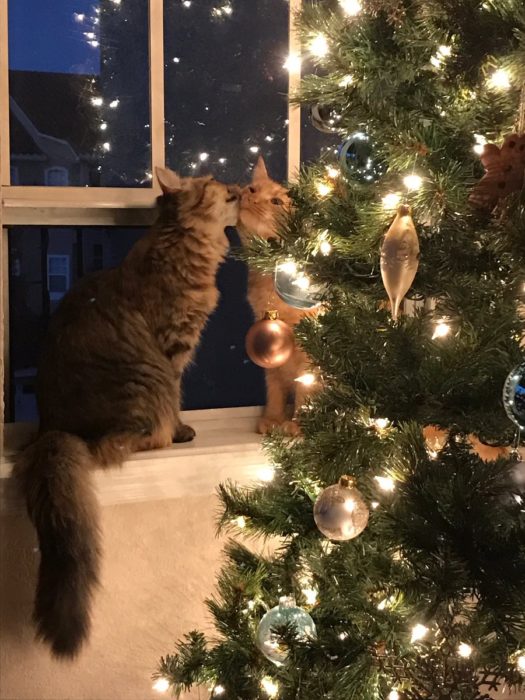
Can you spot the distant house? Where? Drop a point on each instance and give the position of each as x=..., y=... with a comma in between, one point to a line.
x=55, y=131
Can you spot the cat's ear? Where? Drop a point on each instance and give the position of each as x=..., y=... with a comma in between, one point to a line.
x=260, y=172
x=169, y=180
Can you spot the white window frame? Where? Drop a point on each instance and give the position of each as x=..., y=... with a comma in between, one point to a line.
x=100, y=206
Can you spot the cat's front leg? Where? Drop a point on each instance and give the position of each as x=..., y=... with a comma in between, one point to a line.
x=276, y=394
x=181, y=431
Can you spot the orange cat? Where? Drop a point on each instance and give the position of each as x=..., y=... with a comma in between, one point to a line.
x=262, y=203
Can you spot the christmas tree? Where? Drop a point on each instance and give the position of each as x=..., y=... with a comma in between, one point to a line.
x=407, y=460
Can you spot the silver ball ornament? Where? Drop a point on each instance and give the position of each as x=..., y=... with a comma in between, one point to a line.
x=295, y=288
x=340, y=512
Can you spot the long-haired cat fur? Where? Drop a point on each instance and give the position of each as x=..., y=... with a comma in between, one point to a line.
x=109, y=384
x=263, y=203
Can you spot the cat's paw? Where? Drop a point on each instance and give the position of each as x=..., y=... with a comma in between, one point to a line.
x=291, y=428
x=184, y=433
x=266, y=425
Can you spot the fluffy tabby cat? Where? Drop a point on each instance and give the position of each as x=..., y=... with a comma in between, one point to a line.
x=109, y=384
x=262, y=204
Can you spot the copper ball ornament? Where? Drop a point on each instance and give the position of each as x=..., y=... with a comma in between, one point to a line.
x=270, y=342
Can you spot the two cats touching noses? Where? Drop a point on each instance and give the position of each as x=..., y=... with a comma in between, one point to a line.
x=109, y=381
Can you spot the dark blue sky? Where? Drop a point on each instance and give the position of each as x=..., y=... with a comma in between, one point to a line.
x=44, y=36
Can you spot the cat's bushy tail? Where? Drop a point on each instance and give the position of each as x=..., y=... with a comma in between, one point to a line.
x=54, y=477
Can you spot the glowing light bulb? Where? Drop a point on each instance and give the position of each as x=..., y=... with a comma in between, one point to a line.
x=520, y=663
x=323, y=188
x=419, y=632
x=325, y=247
x=293, y=63
x=254, y=149
x=90, y=35
x=114, y=103
x=97, y=101
x=381, y=423
x=222, y=161
x=203, y=157
x=351, y=8
x=375, y=504
x=270, y=687
x=332, y=172
x=391, y=200
x=186, y=3
x=343, y=636
x=219, y=690
x=106, y=146
x=393, y=695
x=319, y=46
x=441, y=330
x=240, y=521
x=346, y=81
x=412, y=182
x=386, y=483
x=79, y=16
x=266, y=473
x=307, y=379
x=103, y=126
x=445, y=50
x=116, y=2
x=311, y=595
x=499, y=80
x=161, y=685
x=479, y=146
x=436, y=61
x=93, y=43
x=464, y=650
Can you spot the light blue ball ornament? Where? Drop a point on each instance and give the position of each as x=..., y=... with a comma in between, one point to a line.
x=295, y=288
x=286, y=613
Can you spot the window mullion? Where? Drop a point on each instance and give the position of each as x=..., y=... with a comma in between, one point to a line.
x=294, y=111
x=156, y=55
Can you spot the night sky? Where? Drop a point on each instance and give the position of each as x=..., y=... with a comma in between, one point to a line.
x=44, y=36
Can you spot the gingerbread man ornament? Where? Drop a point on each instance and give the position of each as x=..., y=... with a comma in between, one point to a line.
x=504, y=170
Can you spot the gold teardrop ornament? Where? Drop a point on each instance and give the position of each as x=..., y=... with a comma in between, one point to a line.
x=399, y=258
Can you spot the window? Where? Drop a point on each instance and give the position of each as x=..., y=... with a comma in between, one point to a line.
x=124, y=87
x=79, y=93
x=221, y=114
x=57, y=276
x=56, y=176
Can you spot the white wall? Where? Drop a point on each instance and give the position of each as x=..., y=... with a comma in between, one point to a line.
x=159, y=564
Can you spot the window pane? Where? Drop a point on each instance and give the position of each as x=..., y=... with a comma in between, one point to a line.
x=44, y=262
x=226, y=89
x=79, y=93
